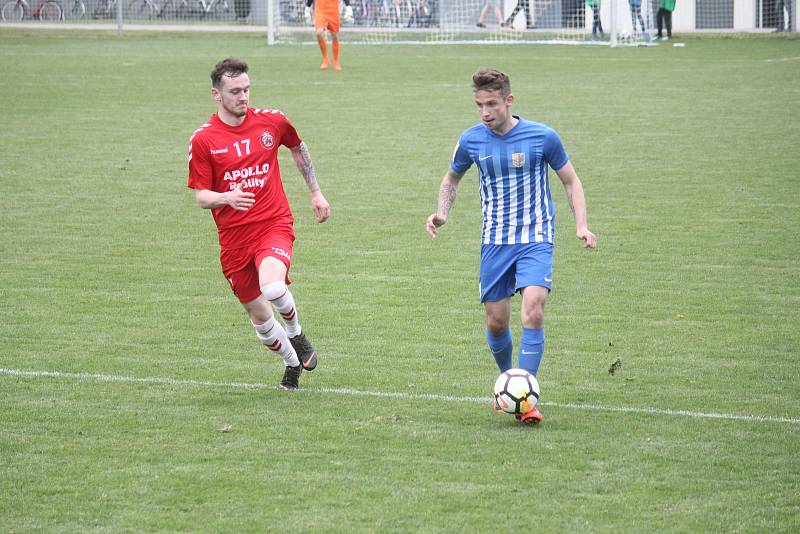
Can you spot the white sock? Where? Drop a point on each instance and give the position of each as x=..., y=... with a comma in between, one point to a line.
x=283, y=301
x=272, y=336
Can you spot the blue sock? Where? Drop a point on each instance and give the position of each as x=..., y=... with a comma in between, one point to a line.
x=531, y=348
x=502, y=348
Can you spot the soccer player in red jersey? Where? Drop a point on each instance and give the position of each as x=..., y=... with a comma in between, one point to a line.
x=233, y=169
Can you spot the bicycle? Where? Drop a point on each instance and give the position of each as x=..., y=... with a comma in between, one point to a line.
x=172, y=8
x=105, y=9
x=219, y=8
x=143, y=9
x=15, y=10
x=73, y=10
x=421, y=15
x=376, y=13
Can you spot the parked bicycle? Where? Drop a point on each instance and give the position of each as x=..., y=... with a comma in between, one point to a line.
x=172, y=8
x=201, y=8
x=143, y=9
x=16, y=10
x=106, y=9
x=73, y=10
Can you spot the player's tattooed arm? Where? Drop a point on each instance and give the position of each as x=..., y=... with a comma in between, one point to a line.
x=319, y=204
x=447, y=197
x=302, y=159
x=447, y=193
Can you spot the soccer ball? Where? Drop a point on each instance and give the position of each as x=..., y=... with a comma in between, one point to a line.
x=516, y=391
x=624, y=35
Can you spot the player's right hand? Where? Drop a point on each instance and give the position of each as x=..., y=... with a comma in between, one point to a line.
x=589, y=239
x=322, y=210
x=434, y=222
x=307, y=14
x=240, y=200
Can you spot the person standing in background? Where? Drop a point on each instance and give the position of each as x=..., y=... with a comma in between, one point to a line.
x=636, y=14
x=489, y=4
x=664, y=18
x=597, y=25
x=327, y=18
x=522, y=5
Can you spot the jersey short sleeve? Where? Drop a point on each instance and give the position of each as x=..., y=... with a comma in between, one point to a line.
x=289, y=137
x=554, y=151
x=201, y=173
x=461, y=159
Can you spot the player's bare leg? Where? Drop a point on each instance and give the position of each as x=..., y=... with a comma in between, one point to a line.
x=335, y=47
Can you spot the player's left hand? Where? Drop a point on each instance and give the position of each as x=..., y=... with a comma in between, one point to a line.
x=322, y=210
x=589, y=239
x=434, y=222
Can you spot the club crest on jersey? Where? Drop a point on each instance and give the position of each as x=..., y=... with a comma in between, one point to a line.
x=518, y=159
x=267, y=141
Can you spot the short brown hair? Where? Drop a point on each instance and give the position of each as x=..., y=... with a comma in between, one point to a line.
x=231, y=67
x=491, y=80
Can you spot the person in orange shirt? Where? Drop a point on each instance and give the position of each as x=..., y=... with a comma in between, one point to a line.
x=326, y=17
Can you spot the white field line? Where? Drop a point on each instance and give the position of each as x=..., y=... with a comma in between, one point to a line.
x=393, y=395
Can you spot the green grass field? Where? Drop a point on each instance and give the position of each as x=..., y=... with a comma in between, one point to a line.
x=134, y=396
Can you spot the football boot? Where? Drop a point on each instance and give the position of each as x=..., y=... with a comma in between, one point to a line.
x=305, y=352
x=291, y=378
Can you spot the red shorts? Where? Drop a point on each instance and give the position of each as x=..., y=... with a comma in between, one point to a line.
x=240, y=265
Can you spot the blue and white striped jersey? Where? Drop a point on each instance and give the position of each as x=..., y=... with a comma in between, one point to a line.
x=515, y=191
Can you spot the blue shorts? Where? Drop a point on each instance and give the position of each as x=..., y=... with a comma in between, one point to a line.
x=506, y=269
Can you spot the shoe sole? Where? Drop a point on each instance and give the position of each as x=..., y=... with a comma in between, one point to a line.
x=531, y=421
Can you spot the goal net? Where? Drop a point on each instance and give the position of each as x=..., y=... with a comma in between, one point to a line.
x=501, y=21
x=614, y=22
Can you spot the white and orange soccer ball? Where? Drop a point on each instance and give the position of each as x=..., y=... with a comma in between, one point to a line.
x=516, y=391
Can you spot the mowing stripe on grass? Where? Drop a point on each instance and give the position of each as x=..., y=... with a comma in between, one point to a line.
x=796, y=58
x=394, y=395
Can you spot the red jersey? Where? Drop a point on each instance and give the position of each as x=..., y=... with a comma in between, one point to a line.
x=223, y=157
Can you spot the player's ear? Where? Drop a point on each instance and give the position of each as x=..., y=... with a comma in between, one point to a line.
x=215, y=94
x=509, y=100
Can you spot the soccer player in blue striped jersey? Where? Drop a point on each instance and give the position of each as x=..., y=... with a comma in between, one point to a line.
x=512, y=156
